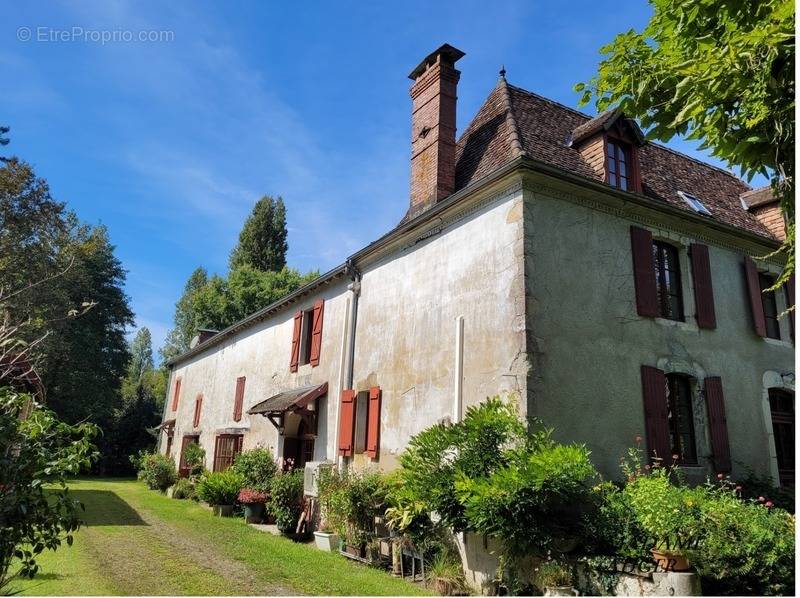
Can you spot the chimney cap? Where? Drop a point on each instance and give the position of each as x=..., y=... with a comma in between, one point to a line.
x=446, y=51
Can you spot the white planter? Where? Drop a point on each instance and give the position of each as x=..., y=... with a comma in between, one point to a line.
x=326, y=541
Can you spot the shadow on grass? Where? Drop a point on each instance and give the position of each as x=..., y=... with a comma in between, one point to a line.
x=104, y=507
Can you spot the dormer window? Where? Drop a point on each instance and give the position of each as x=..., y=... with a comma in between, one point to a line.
x=618, y=159
x=609, y=144
x=694, y=203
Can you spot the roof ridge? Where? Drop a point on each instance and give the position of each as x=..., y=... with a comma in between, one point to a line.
x=648, y=142
x=511, y=120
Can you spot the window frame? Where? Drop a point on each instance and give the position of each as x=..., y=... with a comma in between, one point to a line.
x=668, y=287
x=306, y=336
x=624, y=149
x=769, y=301
x=780, y=419
x=679, y=388
x=236, y=449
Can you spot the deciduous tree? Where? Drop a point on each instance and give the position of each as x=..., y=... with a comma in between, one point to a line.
x=717, y=71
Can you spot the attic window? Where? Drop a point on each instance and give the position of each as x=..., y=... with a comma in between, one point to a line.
x=694, y=203
x=618, y=164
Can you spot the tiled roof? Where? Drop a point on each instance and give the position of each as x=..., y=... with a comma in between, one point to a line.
x=757, y=197
x=513, y=122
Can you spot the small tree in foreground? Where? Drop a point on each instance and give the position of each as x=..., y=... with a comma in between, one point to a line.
x=36, y=451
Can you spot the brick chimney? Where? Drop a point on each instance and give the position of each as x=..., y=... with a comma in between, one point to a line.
x=433, y=128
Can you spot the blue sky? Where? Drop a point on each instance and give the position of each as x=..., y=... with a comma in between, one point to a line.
x=169, y=143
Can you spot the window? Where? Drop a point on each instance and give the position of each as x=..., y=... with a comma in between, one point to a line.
x=183, y=469
x=781, y=405
x=177, y=394
x=238, y=399
x=668, y=281
x=769, y=305
x=307, y=332
x=694, y=203
x=680, y=416
x=618, y=164
x=225, y=450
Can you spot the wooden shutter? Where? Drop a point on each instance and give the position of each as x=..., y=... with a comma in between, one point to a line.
x=373, y=422
x=294, y=360
x=718, y=425
x=198, y=405
x=790, y=302
x=316, y=332
x=654, y=392
x=347, y=423
x=644, y=273
x=703, y=290
x=238, y=399
x=754, y=291
x=177, y=394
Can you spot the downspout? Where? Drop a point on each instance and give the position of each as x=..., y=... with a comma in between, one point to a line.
x=347, y=350
x=458, y=372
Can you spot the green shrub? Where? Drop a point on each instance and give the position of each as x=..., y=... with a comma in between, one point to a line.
x=446, y=576
x=194, y=456
x=745, y=546
x=351, y=501
x=219, y=488
x=552, y=574
x=438, y=455
x=184, y=488
x=287, y=500
x=257, y=467
x=157, y=471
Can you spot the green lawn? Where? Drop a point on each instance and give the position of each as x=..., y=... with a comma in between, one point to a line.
x=139, y=542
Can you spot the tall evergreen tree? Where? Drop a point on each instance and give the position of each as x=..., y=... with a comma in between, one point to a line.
x=262, y=242
x=141, y=355
x=180, y=336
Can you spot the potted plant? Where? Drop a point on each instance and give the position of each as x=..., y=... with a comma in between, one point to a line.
x=329, y=496
x=446, y=576
x=287, y=501
x=254, y=502
x=669, y=513
x=554, y=579
x=194, y=457
x=220, y=490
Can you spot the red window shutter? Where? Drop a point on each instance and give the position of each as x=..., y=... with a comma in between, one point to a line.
x=754, y=291
x=373, y=422
x=177, y=394
x=347, y=423
x=316, y=332
x=703, y=290
x=238, y=399
x=654, y=392
x=718, y=424
x=644, y=272
x=198, y=405
x=790, y=301
x=294, y=360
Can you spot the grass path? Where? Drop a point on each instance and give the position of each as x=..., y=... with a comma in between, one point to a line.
x=138, y=542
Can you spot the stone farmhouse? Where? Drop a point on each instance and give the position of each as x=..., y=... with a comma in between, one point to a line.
x=612, y=286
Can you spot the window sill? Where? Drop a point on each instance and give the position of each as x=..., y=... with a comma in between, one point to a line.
x=778, y=342
x=687, y=326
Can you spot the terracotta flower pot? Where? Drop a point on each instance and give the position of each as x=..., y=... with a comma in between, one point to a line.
x=670, y=560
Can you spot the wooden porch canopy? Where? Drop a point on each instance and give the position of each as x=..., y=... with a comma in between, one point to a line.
x=166, y=425
x=296, y=400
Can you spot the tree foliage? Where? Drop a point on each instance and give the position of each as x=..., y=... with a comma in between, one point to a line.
x=224, y=301
x=716, y=71
x=262, y=241
x=52, y=269
x=180, y=336
x=35, y=450
x=141, y=355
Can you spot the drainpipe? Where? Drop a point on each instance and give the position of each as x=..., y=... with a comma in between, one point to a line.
x=458, y=372
x=347, y=350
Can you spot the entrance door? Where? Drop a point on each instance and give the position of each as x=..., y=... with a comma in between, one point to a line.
x=299, y=449
x=781, y=405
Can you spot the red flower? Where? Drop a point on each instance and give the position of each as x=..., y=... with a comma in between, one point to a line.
x=675, y=457
x=769, y=504
x=738, y=488
x=249, y=497
x=761, y=499
x=720, y=476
